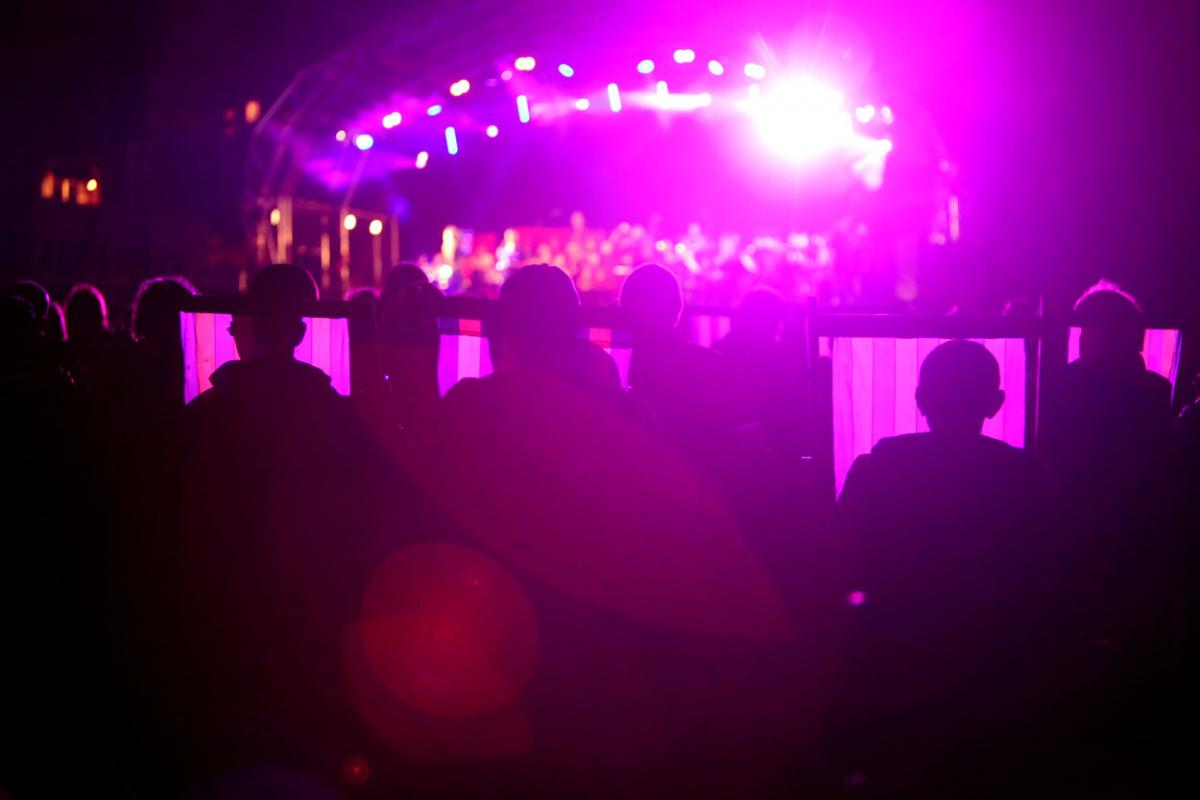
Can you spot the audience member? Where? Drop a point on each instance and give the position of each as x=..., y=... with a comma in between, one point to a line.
x=283, y=495
x=942, y=593
x=688, y=388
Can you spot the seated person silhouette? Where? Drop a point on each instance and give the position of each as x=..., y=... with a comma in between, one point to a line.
x=1107, y=419
x=282, y=501
x=1106, y=435
x=408, y=352
x=688, y=388
x=608, y=532
x=941, y=562
x=768, y=374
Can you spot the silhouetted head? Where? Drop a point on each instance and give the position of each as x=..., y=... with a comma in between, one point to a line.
x=156, y=308
x=33, y=293
x=400, y=277
x=537, y=318
x=959, y=387
x=653, y=298
x=1112, y=328
x=54, y=326
x=87, y=313
x=759, y=316
x=273, y=323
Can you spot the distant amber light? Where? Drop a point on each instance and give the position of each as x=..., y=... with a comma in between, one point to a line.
x=275, y=216
x=93, y=184
x=253, y=111
x=376, y=227
x=350, y=222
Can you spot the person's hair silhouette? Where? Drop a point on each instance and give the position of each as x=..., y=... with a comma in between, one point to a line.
x=1111, y=323
x=537, y=320
x=959, y=388
x=87, y=313
x=652, y=297
x=272, y=325
x=156, y=308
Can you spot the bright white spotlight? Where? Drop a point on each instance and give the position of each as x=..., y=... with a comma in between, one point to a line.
x=801, y=118
x=434, y=110
x=583, y=104
x=460, y=87
x=684, y=56
x=376, y=227
x=525, y=64
x=275, y=216
x=340, y=136
x=422, y=160
x=614, y=97
x=451, y=141
x=886, y=115
x=755, y=72
x=645, y=66
x=716, y=67
x=522, y=108
x=350, y=222
x=364, y=141
x=392, y=120
x=492, y=131
x=566, y=70
x=865, y=114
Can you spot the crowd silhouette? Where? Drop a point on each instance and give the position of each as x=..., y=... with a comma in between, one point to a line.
x=548, y=583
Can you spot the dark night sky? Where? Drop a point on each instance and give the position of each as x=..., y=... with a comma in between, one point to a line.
x=1075, y=121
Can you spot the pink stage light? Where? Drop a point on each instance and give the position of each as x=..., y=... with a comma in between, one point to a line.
x=614, y=97
x=801, y=118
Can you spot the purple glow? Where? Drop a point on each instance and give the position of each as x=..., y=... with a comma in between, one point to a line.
x=856, y=598
x=364, y=141
x=522, y=108
x=451, y=141
x=645, y=66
